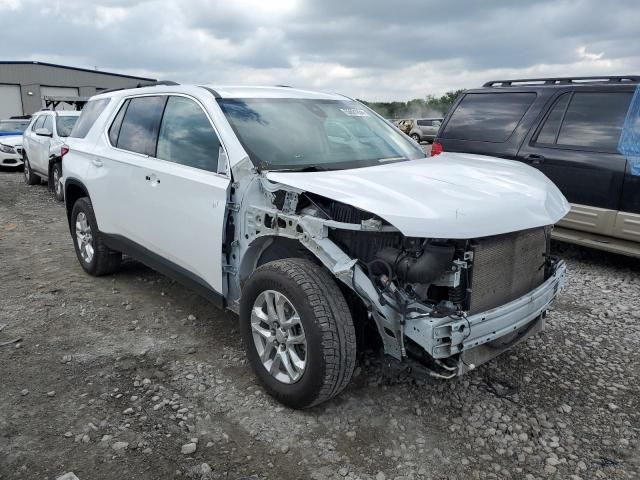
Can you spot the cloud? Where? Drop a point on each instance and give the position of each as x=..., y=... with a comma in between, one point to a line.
x=371, y=49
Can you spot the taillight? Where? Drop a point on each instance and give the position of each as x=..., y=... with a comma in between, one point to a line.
x=64, y=150
x=436, y=149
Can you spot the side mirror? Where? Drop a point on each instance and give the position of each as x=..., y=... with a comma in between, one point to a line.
x=43, y=132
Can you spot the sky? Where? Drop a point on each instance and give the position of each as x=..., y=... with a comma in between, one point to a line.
x=374, y=50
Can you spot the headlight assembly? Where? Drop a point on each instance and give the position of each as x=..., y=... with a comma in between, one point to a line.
x=7, y=148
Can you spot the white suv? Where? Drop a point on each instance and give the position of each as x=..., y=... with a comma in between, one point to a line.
x=42, y=142
x=307, y=212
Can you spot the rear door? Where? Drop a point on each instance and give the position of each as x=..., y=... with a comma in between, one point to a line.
x=576, y=146
x=184, y=196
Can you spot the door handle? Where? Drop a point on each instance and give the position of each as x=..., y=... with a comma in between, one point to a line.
x=534, y=159
x=96, y=162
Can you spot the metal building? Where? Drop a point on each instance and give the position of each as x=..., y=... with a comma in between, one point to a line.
x=24, y=84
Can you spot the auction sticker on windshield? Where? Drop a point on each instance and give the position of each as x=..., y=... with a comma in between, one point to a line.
x=354, y=112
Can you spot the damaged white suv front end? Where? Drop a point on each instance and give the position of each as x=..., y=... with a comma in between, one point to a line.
x=450, y=255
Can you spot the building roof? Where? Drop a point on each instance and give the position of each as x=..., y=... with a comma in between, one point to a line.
x=11, y=62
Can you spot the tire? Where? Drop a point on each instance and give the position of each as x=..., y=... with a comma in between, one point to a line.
x=325, y=322
x=56, y=175
x=103, y=260
x=30, y=178
x=415, y=137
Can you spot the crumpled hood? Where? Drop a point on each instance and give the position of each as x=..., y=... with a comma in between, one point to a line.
x=12, y=140
x=452, y=195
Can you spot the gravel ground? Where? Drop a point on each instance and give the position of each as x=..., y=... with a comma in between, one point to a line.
x=133, y=376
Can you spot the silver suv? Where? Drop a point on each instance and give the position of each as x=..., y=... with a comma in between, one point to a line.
x=425, y=129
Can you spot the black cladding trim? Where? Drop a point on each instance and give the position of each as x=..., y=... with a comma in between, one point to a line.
x=164, y=266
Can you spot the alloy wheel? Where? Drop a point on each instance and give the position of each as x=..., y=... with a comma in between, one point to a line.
x=278, y=336
x=57, y=186
x=84, y=238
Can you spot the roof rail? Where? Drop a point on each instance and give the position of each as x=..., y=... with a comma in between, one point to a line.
x=140, y=85
x=563, y=81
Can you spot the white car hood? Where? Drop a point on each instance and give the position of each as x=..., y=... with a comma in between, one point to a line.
x=452, y=195
x=12, y=140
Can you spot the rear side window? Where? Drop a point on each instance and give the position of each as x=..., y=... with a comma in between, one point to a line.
x=549, y=132
x=488, y=117
x=48, y=123
x=594, y=120
x=139, y=128
x=38, y=123
x=88, y=117
x=64, y=125
x=187, y=137
x=114, y=131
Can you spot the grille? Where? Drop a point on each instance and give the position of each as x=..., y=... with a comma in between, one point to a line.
x=506, y=267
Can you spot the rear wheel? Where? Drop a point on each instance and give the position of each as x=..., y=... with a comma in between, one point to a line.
x=56, y=175
x=298, y=332
x=94, y=256
x=30, y=178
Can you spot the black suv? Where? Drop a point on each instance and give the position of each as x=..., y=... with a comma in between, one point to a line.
x=570, y=129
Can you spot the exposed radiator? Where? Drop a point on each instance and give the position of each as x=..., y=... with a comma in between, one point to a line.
x=505, y=267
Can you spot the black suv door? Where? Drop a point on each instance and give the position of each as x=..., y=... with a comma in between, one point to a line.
x=576, y=145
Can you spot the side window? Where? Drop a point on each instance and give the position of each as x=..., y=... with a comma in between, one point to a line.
x=594, y=120
x=422, y=123
x=88, y=117
x=39, y=122
x=549, y=131
x=436, y=123
x=187, y=137
x=139, y=128
x=48, y=123
x=114, y=131
x=488, y=117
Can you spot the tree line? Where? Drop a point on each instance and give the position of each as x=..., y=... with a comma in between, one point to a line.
x=430, y=106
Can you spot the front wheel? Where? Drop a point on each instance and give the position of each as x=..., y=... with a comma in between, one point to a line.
x=415, y=137
x=298, y=332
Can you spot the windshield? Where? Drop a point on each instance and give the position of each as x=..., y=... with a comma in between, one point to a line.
x=299, y=134
x=64, y=125
x=12, y=126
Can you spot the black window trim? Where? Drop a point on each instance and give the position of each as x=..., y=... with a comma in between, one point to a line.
x=114, y=114
x=574, y=148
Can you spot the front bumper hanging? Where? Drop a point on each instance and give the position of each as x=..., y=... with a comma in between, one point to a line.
x=475, y=336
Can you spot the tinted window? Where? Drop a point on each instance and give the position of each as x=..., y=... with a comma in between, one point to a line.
x=423, y=123
x=64, y=125
x=594, y=120
x=488, y=117
x=551, y=125
x=48, y=123
x=88, y=117
x=186, y=136
x=114, y=131
x=140, y=125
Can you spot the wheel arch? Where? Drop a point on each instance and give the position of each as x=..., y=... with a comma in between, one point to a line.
x=73, y=190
